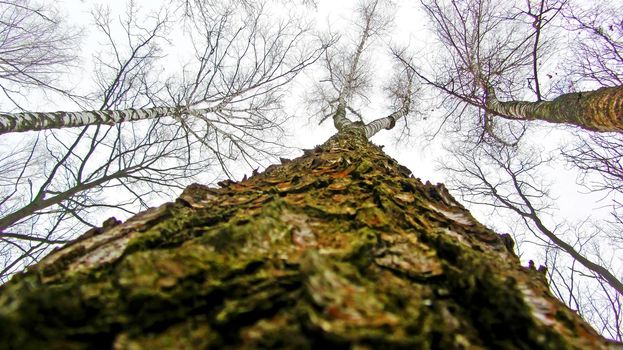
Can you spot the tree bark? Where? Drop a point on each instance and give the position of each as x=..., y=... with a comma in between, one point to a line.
x=598, y=110
x=33, y=121
x=339, y=248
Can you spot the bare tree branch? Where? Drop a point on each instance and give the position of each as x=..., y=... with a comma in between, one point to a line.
x=36, y=47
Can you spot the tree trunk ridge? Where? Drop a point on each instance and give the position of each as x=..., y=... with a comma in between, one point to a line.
x=339, y=248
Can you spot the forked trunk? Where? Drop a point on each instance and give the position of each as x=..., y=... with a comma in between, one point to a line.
x=339, y=248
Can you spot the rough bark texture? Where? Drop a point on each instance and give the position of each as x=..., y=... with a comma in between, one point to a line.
x=599, y=110
x=337, y=249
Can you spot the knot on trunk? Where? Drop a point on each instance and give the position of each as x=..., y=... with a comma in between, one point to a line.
x=392, y=122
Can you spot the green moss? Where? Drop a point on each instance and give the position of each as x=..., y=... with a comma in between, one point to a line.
x=363, y=167
x=345, y=255
x=493, y=303
x=281, y=331
x=192, y=334
x=360, y=252
x=59, y=265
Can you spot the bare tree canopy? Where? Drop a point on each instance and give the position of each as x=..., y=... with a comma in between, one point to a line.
x=36, y=45
x=597, y=44
x=347, y=80
x=512, y=186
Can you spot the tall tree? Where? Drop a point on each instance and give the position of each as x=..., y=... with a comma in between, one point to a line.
x=338, y=248
x=597, y=58
x=241, y=62
x=598, y=110
x=347, y=80
x=64, y=177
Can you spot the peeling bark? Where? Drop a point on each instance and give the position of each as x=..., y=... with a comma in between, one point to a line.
x=598, y=110
x=340, y=248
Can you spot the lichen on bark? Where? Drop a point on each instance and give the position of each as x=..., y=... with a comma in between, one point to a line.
x=340, y=248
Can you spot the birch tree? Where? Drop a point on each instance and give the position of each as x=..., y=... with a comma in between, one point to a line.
x=598, y=110
x=492, y=49
x=63, y=178
x=347, y=81
x=221, y=83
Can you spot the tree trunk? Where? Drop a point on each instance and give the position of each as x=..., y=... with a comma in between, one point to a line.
x=31, y=121
x=339, y=248
x=599, y=110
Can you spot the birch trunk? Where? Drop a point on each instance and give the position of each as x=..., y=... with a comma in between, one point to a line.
x=19, y=122
x=339, y=248
x=599, y=110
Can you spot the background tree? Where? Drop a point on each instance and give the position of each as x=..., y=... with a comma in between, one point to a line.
x=348, y=79
x=53, y=197
x=597, y=110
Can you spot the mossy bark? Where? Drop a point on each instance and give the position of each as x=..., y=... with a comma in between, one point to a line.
x=599, y=110
x=340, y=248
